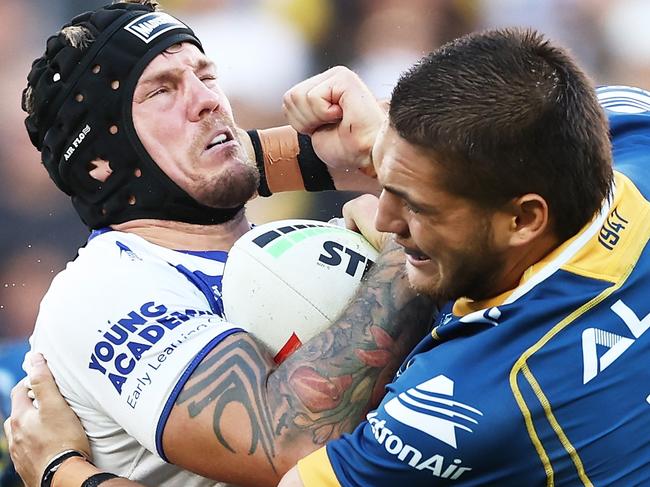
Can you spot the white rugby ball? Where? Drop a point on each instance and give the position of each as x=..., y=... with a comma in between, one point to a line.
x=285, y=281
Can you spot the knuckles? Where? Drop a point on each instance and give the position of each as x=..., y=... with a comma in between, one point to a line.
x=344, y=73
x=289, y=98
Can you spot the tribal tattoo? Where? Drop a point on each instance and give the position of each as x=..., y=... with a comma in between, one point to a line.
x=237, y=374
x=324, y=388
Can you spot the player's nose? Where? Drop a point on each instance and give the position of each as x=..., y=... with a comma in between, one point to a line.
x=389, y=217
x=202, y=99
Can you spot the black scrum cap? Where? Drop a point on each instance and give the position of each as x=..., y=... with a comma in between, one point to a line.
x=81, y=111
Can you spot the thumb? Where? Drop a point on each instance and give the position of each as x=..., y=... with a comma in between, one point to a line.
x=42, y=382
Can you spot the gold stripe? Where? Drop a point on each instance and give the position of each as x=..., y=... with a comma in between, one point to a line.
x=528, y=420
x=636, y=246
x=315, y=470
x=520, y=364
x=556, y=426
x=597, y=261
x=434, y=334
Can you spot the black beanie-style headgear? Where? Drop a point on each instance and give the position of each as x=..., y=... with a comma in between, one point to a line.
x=81, y=111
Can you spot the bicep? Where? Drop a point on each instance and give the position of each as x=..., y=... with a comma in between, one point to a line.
x=224, y=425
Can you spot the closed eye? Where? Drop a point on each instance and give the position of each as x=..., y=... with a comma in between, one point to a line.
x=159, y=91
x=411, y=208
x=208, y=79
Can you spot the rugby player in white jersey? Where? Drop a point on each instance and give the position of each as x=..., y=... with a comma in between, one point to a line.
x=130, y=120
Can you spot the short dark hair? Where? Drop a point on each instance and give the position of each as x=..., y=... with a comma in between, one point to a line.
x=506, y=113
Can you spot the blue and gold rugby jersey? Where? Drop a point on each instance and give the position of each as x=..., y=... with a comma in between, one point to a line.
x=548, y=384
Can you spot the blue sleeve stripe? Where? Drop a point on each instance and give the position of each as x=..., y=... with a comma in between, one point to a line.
x=162, y=421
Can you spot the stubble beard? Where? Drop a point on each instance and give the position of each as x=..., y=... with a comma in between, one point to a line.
x=470, y=273
x=234, y=184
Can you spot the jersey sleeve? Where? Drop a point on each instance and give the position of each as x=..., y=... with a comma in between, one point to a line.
x=378, y=453
x=316, y=470
x=122, y=342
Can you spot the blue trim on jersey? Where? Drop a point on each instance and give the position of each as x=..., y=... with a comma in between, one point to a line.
x=98, y=232
x=162, y=421
x=218, y=255
x=203, y=286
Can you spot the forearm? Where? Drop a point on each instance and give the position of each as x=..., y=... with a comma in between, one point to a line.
x=287, y=164
x=327, y=385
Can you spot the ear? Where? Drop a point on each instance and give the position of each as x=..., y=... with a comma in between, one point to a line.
x=528, y=219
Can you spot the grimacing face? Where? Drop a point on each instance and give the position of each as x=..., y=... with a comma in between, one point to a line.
x=185, y=123
x=449, y=241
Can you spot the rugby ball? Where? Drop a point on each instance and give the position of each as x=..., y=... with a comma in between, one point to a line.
x=285, y=281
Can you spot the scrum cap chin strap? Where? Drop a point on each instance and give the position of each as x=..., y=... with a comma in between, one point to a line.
x=82, y=100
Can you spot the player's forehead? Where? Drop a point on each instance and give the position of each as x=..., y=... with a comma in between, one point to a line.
x=392, y=155
x=407, y=170
x=175, y=57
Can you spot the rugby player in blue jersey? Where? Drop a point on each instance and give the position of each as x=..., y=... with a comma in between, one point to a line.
x=497, y=179
x=496, y=169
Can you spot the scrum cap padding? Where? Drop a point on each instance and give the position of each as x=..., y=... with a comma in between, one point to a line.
x=82, y=100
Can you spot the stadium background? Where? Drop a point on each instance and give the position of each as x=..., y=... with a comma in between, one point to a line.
x=263, y=47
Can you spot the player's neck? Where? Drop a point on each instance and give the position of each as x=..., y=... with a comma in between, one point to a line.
x=187, y=236
x=521, y=261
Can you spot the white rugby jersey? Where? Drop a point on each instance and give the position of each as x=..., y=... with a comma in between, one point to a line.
x=122, y=328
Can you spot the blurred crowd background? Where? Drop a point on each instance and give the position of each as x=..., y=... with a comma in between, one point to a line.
x=262, y=48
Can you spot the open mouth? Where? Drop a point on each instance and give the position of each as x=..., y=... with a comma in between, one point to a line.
x=219, y=139
x=416, y=255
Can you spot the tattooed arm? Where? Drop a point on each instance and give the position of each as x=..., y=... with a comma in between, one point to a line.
x=242, y=419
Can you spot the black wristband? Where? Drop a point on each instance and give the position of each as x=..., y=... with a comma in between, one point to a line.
x=55, y=463
x=98, y=478
x=314, y=171
x=262, y=187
